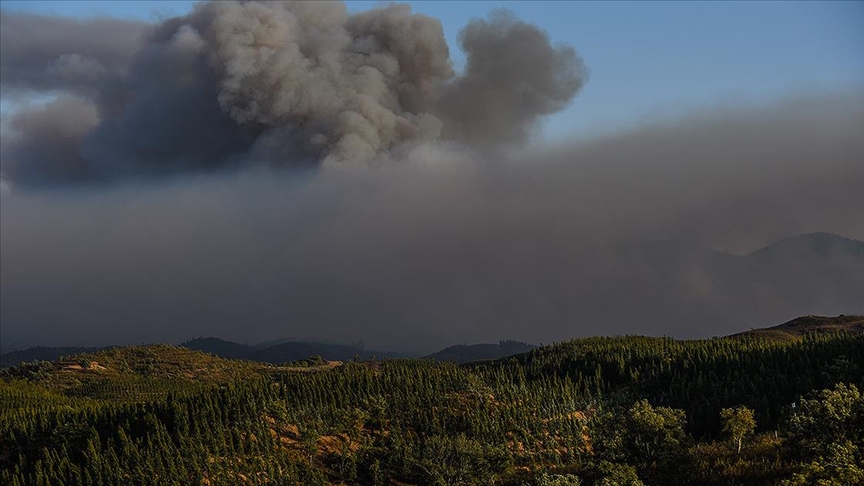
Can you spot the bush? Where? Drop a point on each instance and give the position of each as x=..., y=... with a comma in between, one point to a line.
x=547, y=479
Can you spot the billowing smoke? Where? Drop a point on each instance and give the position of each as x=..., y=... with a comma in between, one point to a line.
x=618, y=235
x=444, y=235
x=47, y=53
x=250, y=83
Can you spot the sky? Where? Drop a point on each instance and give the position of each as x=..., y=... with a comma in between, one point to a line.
x=262, y=171
x=647, y=60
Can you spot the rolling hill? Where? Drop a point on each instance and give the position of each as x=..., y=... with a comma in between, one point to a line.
x=40, y=353
x=220, y=347
x=284, y=352
x=809, y=324
x=464, y=353
x=272, y=354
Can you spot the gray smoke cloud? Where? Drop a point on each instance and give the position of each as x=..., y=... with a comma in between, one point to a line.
x=616, y=235
x=434, y=231
x=62, y=124
x=512, y=77
x=47, y=53
x=277, y=83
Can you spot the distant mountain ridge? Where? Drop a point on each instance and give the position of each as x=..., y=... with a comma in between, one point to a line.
x=220, y=347
x=816, y=273
x=462, y=353
x=810, y=273
x=819, y=242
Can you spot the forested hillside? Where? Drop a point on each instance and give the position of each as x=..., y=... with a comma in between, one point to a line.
x=629, y=410
x=273, y=353
x=40, y=353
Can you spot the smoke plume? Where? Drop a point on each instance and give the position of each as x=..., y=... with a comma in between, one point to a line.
x=619, y=235
x=276, y=83
x=443, y=234
x=54, y=53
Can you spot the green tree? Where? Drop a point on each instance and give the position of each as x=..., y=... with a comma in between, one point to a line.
x=738, y=424
x=831, y=416
x=655, y=435
x=611, y=474
x=840, y=465
x=547, y=479
x=826, y=432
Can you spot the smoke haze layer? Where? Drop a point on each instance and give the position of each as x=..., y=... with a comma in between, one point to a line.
x=149, y=200
x=611, y=236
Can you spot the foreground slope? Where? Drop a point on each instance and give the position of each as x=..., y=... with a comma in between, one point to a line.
x=625, y=410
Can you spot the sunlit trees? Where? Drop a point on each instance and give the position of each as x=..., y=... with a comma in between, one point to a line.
x=566, y=414
x=650, y=439
x=655, y=438
x=829, y=416
x=611, y=474
x=826, y=431
x=738, y=424
x=547, y=479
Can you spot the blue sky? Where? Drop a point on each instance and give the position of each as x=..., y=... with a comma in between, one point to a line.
x=647, y=59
